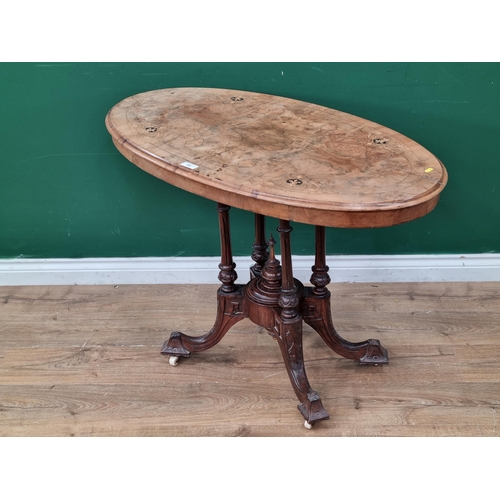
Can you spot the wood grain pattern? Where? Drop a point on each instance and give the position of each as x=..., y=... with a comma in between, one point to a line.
x=85, y=361
x=278, y=157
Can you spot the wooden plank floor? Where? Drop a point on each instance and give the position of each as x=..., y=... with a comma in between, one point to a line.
x=85, y=361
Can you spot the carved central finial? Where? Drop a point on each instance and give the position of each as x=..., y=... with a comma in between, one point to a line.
x=271, y=244
x=271, y=273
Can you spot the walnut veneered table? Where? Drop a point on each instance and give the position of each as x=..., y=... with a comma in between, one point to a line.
x=287, y=159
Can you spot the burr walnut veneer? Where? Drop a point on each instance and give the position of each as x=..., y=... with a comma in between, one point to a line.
x=287, y=159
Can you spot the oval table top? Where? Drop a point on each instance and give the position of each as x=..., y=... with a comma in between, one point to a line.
x=278, y=157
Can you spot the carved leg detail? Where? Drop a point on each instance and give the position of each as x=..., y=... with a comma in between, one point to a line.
x=231, y=305
x=230, y=310
x=315, y=308
x=317, y=314
x=289, y=336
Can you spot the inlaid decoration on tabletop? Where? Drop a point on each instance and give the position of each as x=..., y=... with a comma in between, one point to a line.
x=263, y=147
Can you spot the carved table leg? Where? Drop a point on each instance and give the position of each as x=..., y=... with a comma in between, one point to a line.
x=260, y=253
x=289, y=335
x=230, y=302
x=230, y=310
x=315, y=308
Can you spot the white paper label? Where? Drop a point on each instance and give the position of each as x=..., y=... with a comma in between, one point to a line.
x=190, y=165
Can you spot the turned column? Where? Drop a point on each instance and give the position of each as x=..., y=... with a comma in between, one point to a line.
x=227, y=267
x=320, y=277
x=288, y=299
x=260, y=253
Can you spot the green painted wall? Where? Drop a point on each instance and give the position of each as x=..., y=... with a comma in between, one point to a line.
x=66, y=192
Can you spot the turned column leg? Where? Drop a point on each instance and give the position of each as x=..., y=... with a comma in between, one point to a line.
x=289, y=335
x=317, y=313
x=288, y=298
x=227, y=267
x=320, y=277
x=260, y=253
x=230, y=302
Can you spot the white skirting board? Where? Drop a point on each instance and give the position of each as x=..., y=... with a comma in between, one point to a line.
x=165, y=270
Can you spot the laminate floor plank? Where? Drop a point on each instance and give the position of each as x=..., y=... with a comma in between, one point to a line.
x=85, y=361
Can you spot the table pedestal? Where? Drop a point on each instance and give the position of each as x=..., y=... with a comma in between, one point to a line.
x=276, y=301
